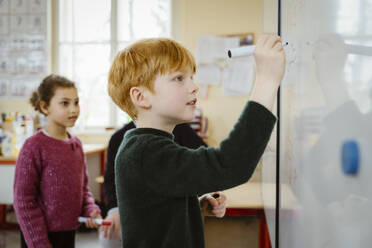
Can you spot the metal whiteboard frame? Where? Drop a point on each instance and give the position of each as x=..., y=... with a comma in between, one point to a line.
x=277, y=194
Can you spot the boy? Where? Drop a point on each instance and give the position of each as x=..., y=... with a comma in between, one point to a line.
x=157, y=180
x=184, y=135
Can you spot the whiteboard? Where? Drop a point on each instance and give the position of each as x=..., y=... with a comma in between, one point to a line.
x=325, y=125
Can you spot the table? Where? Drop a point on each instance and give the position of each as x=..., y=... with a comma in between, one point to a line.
x=247, y=200
x=95, y=155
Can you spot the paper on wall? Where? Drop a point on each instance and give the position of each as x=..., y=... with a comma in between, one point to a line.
x=4, y=7
x=210, y=48
x=208, y=74
x=238, y=76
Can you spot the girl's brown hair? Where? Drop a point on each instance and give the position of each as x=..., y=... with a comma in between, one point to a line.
x=47, y=89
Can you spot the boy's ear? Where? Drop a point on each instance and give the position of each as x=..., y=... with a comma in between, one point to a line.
x=139, y=97
x=44, y=107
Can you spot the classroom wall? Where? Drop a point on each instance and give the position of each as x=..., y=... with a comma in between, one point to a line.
x=270, y=16
x=15, y=105
x=193, y=18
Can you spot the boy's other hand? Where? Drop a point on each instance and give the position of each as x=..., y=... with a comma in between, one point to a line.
x=114, y=230
x=212, y=206
x=93, y=215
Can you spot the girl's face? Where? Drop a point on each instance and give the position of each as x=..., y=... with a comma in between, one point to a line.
x=63, y=109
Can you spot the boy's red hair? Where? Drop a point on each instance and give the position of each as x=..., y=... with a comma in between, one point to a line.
x=140, y=64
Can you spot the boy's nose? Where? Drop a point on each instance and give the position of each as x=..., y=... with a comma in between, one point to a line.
x=194, y=88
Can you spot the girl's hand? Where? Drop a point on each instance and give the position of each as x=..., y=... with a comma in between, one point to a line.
x=94, y=215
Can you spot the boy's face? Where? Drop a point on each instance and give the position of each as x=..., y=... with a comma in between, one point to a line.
x=175, y=96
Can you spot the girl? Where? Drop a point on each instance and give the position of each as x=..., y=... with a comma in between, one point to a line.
x=51, y=183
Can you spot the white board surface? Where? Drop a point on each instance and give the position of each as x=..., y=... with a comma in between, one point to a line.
x=326, y=122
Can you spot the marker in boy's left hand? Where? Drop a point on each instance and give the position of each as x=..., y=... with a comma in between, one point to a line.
x=212, y=205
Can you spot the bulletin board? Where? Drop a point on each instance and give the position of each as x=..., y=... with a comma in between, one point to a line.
x=23, y=46
x=214, y=67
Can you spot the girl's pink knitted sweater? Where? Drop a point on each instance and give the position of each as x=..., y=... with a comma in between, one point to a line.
x=50, y=187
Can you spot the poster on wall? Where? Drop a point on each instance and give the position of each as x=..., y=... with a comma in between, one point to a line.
x=23, y=42
x=215, y=67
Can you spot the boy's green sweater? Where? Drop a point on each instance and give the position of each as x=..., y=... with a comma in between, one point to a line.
x=158, y=181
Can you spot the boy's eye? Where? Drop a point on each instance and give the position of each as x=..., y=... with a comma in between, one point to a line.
x=76, y=102
x=64, y=103
x=179, y=78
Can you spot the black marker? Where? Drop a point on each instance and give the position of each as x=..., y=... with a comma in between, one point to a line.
x=216, y=195
x=245, y=51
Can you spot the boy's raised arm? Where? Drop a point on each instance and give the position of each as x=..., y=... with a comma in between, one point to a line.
x=270, y=66
x=175, y=171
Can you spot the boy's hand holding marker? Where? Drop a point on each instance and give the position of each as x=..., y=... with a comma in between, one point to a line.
x=213, y=204
x=270, y=67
